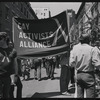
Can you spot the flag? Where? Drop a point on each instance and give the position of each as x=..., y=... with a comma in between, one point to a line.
x=41, y=37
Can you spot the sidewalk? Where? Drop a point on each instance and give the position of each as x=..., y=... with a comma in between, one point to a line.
x=46, y=88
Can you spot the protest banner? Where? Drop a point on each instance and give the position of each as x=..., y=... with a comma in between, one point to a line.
x=42, y=37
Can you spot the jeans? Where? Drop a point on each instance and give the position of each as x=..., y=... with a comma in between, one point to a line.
x=72, y=75
x=5, y=87
x=64, y=78
x=85, y=83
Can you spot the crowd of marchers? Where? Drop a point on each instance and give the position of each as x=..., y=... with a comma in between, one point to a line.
x=79, y=66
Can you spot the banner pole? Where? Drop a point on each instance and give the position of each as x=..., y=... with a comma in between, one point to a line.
x=67, y=17
x=13, y=29
x=75, y=95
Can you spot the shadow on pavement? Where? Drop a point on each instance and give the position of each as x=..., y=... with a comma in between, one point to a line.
x=29, y=79
x=46, y=78
x=57, y=78
x=45, y=95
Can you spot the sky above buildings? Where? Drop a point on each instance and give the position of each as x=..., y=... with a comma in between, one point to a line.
x=56, y=7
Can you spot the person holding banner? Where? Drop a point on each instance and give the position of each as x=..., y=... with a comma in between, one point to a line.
x=84, y=58
x=53, y=62
x=65, y=74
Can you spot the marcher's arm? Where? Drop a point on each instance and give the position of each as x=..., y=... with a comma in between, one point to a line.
x=15, y=71
x=13, y=56
x=71, y=60
x=96, y=58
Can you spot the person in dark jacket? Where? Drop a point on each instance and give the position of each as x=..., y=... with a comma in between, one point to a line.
x=65, y=73
x=6, y=68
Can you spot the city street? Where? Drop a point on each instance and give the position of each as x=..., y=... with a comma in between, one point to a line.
x=35, y=33
x=46, y=88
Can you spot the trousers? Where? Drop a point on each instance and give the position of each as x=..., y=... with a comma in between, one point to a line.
x=64, y=78
x=85, y=84
x=19, y=85
x=50, y=68
x=37, y=72
x=5, y=87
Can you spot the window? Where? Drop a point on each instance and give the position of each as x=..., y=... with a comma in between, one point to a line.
x=21, y=7
x=24, y=11
x=0, y=27
x=0, y=13
x=45, y=9
x=70, y=14
x=92, y=12
x=27, y=14
x=13, y=13
x=13, y=2
x=6, y=13
x=17, y=6
x=17, y=15
x=17, y=3
x=8, y=31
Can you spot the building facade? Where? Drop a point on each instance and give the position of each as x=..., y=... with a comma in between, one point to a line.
x=87, y=21
x=71, y=17
x=10, y=9
x=42, y=13
x=71, y=20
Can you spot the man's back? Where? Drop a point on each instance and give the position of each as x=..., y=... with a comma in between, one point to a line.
x=85, y=57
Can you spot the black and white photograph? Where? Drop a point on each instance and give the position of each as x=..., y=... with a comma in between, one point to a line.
x=49, y=49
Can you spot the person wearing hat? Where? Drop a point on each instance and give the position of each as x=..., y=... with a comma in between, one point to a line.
x=6, y=68
x=85, y=58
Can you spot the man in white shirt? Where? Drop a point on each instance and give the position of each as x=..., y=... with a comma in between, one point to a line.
x=85, y=58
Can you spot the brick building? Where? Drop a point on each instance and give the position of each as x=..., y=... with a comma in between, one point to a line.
x=89, y=12
x=10, y=9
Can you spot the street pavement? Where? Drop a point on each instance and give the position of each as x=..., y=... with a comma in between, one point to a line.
x=46, y=88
